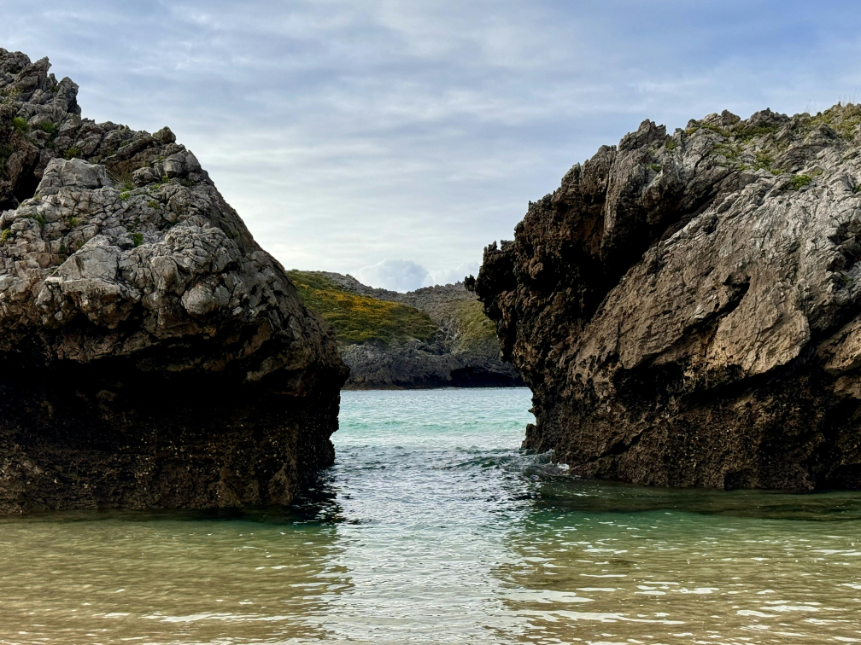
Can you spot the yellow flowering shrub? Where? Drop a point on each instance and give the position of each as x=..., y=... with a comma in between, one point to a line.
x=359, y=319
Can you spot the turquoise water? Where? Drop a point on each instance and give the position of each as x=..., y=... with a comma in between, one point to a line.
x=433, y=527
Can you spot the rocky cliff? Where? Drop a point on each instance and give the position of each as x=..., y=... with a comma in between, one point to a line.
x=431, y=337
x=687, y=308
x=152, y=355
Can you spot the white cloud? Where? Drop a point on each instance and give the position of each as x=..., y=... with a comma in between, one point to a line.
x=405, y=275
x=395, y=275
x=345, y=131
x=450, y=276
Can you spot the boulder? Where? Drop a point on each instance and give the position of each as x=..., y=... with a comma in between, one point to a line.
x=152, y=355
x=686, y=307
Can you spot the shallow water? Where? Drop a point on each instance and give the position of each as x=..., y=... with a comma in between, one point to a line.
x=433, y=528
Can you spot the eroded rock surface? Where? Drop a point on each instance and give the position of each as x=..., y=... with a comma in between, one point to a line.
x=152, y=355
x=687, y=308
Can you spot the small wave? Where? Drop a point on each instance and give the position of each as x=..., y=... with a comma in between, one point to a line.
x=531, y=465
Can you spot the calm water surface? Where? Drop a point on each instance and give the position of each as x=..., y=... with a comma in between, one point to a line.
x=433, y=527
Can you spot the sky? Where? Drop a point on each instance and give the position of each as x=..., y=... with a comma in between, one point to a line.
x=393, y=140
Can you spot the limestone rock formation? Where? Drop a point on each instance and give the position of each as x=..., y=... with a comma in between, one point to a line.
x=687, y=308
x=152, y=355
x=432, y=337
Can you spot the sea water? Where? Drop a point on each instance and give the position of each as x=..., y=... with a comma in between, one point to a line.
x=434, y=527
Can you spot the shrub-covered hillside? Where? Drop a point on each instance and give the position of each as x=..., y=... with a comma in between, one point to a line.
x=432, y=337
x=358, y=319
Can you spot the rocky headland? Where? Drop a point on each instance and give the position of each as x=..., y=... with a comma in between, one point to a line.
x=432, y=337
x=152, y=355
x=687, y=308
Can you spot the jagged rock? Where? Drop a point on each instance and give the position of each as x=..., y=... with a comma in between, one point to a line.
x=152, y=355
x=686, y=308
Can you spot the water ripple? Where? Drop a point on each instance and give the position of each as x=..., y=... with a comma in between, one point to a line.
x=434, y=527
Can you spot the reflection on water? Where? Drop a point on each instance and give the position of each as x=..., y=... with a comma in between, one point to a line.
x=165, y=579
x=666, y=576
x=434, y=528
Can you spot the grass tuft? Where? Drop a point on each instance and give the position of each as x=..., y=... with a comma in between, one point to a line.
x=746, y=134
x=764, y=159
x=713, y=128
x=727, y=151
x=799, y=181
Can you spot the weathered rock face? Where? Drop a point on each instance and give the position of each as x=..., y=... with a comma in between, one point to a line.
x=687, y=308
x=152, y=355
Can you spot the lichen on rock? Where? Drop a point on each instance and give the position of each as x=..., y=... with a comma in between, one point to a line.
x=151, y=353
x=685, y=308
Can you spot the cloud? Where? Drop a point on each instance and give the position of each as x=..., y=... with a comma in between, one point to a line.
x=451, y=276
x=405, y=275
x=396, y=275
x=345, y=131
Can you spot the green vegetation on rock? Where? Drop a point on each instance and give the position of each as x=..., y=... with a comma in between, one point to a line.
x=475, y=327
x=771, y=143
x=122, y=181
x=844, y=119
x=748, y=133
x=798, y=181
x=358, y=319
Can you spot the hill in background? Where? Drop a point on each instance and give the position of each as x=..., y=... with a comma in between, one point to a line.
x=431, y=337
